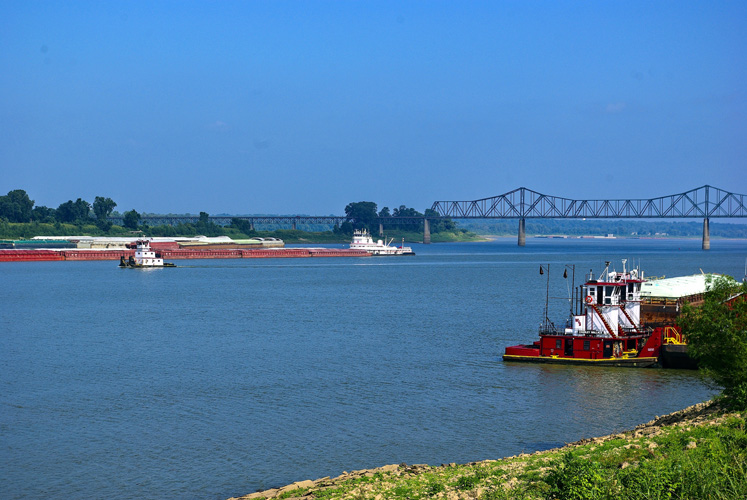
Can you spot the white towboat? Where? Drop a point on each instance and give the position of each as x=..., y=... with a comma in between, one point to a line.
x=144, y=257
x=362, y=240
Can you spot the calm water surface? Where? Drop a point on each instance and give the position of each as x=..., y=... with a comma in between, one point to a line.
x=221, y=377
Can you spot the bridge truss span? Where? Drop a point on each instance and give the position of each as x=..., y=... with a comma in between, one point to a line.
x=224, y=220
x=704, y=202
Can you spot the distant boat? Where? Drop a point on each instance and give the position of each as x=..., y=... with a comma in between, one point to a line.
x=362, y=240
x=144, y=257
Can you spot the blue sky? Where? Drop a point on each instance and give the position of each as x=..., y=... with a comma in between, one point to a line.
x=247, y=107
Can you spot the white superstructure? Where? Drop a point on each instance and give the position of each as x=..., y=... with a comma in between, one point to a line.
x=362, y=240
x=612, y=304
x=144, y=257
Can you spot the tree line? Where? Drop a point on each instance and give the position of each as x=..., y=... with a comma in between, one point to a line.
x=366, y=216
x=18, y=207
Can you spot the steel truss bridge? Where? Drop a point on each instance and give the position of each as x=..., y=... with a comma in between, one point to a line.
x=224, y=220
x=706, y=202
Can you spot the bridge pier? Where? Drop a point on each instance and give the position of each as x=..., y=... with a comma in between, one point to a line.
x=426, y=232
x=706, y=235
x=522, y=233
x=381, y=229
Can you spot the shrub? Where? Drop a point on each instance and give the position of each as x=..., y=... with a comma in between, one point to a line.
x=576, y=478
x=717, y=337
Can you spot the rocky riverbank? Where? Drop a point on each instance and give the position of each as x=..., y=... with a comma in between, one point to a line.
x=523, y=475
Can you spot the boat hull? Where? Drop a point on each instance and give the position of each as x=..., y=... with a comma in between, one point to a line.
x=140, y=266
x=621, y=362
x=676, y=356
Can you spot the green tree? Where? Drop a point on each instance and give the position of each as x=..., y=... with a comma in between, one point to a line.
x=716, y=335
x=205, y=227
x=78, y=211
x=344, y=228
x=439, y=225
x=44, y=214
x=403, y=211
x=103, y=207
x=243, y=226
x=364, y=213
x=16, y=206
x=131, y=219
x=384, y=212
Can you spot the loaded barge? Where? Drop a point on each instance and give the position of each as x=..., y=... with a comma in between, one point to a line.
x=621, y=319
x=87, y=248
x=82, y=254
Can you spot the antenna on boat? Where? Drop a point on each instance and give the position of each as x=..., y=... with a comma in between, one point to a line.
x=605, y=273
x=573, y=284
x=547, y=293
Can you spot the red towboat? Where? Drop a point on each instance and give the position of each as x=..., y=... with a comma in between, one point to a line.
x=606, y=328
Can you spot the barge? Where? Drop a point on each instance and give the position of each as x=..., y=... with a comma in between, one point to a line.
x=622, y=320
x=176, y=253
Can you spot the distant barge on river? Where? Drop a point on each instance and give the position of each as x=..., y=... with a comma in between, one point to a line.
x=82, y=248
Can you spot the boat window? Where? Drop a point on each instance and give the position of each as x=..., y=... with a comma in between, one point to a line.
x=558, y=344
x=607, y=299
x=586, y=345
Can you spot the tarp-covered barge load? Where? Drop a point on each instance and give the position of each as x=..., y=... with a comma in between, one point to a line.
x=93, y=248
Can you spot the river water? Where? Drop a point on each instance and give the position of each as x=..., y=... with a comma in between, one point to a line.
x=221, y=377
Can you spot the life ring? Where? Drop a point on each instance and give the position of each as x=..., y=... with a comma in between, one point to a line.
x=589, y=299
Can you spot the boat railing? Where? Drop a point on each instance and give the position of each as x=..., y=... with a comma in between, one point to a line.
x=659, y=301
x=547, y=327
x=667, y=301
x=673, y=336
x=626, y=332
